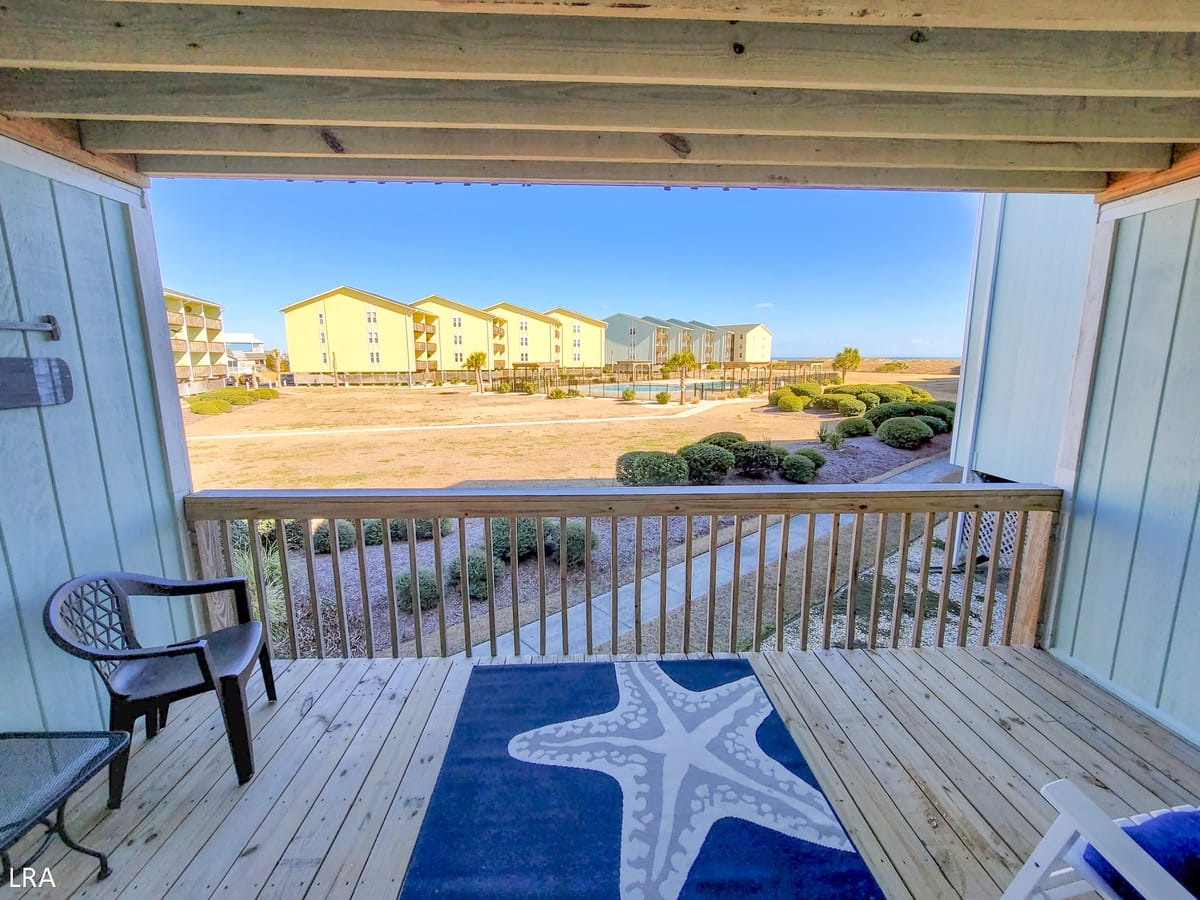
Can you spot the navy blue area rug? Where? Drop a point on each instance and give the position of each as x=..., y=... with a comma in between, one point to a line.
x=628, y=780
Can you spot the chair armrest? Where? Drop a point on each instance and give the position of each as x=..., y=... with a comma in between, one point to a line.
x=1134, y=864
x=149, y=585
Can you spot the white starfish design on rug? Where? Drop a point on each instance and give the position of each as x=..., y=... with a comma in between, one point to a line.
x=684, y=760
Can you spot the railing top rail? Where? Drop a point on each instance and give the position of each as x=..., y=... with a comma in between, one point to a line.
x=618, y=501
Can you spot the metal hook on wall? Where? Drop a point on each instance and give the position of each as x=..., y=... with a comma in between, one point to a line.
x=48, y=324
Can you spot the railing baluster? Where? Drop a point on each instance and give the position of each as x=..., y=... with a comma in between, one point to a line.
x=314, y=599
x=516, y=597
x=389, y=569
x=852, y=582
x=901, y=577
x=227, y=549
x=831, y=582
x=877, y=582
x=440, y=576
x=810, y=543
x=947, y=567
x=587, y=581
x=735, y=588
x=710, y=643
x=415, y=589
x=289, y=608
x=1014, y=577
x=490, y=557
x=995, y=551
x=540, y=528
x=335, y=560
x=662, y=585
x=368, y=625
x=781, y=579
x=759, y=585
x=964, y=614
x=464, y=585
x=637, y=586
x=614, y=587
x=923, y=581
x=260, y=587
x=562, y=584
x=687, y=584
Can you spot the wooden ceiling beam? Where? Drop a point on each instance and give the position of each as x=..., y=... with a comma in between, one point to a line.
x=589, y=107
x=1071, y=15
x=580, y=146
x=667, y=174
x=255, y=40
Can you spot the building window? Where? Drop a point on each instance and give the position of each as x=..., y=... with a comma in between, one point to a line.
x=577, y=328
x=322, y=337
x=456, y=321
x=577, y=357
x=523, y=324
x=524, y=341
x=458, y=357
x=374, y=356
x=524, y=357
x=458, y=339
x=577, y=343
x=320, y=318
x=324, y=357
x=633, y=331
x=372, y=316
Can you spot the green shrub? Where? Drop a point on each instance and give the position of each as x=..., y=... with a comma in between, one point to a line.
x=798, y=468
x=726, y=439
x=817, y=457
x=855, y=427
x=427, y=586
x=345, y=536
x=707, y=463
x=526, y=387
x=869, y=398
x=773, y=397
x=209, y=407
x=904, y=433
x=527, y=538
x=744, y=391
x=948, y=404
x=503, y=387
x=921, y=395
x=886, y=411
x=755, y=458
x=831, y=437
x=423, y=528
x=556, y=394
x=890, y=393
x=834, y=402
x=938, y=426
x=781, y=453
x=236, y=396
x=663, y=397
x=264, y=393
x=477, y=573
x=793, y=402
x=851, y=407
x=894, y=365
x=655, y=468
x=574, y=392
x=625, y=466
x=628, y=394
x=372, y=532
x=809, y=389
x=575, y=545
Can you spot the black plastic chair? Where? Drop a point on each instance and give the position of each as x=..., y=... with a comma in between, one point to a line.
x=89, y=617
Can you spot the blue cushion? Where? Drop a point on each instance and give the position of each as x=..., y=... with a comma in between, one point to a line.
x=1172, y=839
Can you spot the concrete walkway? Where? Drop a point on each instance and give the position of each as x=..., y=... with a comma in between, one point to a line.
x=936, y=470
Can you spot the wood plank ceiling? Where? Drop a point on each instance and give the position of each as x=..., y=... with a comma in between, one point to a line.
x=1021, y=95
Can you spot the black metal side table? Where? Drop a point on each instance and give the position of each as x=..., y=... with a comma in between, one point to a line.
x=39, y=771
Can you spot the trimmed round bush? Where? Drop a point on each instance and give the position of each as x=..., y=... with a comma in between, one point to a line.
x=556, y=394
x=773, y=397
x=855, y=427
x=948, y=404
x=655, y=468
x=707, y=463
x=236, y=396
x=755, y=458
x=423, y=527
x=373, y=532
x=663, y=397
x=744, y=391
x=625, y=466
x=798, y=468
x=851, y=407
x=938, y=425
x=574, y=545
x=817, y=457
x=726, y=439
x=209, y=407
x=345, y=536
x=526, y=387
x=628, y=394
x=904, y=433
x=921, y=395
x=870, y=398
x=427, y=587
x=477, y=572
x=503, y=387
x=809, y=389
x=264, y=393
x=527, y=538
x=885, y=411
x=793, y=402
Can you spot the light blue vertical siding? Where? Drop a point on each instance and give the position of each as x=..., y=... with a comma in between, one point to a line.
x=1128, y=609
x=1027, y=302
x=86, y=486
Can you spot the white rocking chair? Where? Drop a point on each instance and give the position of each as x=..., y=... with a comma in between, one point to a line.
x=1057, y=868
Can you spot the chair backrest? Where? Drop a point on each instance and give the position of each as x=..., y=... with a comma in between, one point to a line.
x=91, y=614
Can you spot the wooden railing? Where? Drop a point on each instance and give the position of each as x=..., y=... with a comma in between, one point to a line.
x=774, y=567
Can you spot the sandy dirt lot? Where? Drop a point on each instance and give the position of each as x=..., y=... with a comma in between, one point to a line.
x=444, y=437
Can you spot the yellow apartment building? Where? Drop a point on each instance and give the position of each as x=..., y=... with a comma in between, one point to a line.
x=750, y=343
x=531, y=338
x=582, y=339
x=195, y=327
x=348, y=331
x=465, y=330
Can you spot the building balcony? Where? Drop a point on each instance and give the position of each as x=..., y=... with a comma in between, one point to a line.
x=212, y=324
x=201, y=372
x=179, y=346
x=420, y=347
x=174, y=318
x=217, y=347
x=497, y=331
x=194, y=321
x=420, y=327
x=498, y=349
x=220, y=371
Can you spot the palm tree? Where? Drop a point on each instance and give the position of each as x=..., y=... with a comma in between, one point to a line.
x=682, y=363
x=476, y=361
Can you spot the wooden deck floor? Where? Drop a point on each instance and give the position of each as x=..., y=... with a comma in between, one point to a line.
x=932, y=758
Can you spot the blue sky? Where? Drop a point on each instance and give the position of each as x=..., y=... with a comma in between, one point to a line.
x=885, y=271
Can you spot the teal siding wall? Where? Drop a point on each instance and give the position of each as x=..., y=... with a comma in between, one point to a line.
x=1129, y=598
x=86, y=485
x=1031, y=270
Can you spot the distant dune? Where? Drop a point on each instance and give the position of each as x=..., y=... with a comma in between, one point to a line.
x=913, y=366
